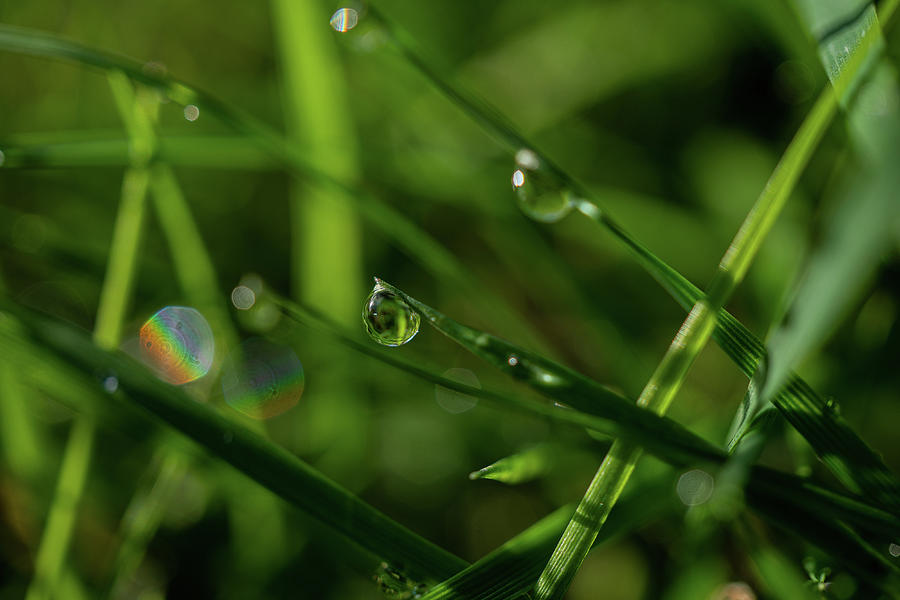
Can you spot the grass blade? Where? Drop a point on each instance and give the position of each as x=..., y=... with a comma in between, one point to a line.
x=114, y=298
x=268, y=464
x=527, y=465
x=851, y=460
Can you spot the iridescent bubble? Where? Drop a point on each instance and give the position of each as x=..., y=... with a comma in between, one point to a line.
x=388, y=318
x=178, y=344
x=540, y=193
x=191, y=112
x=261, y=379
x=344, y=19
x=453, y=401
x=695, y=487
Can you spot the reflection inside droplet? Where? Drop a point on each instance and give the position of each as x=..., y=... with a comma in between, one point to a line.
x=262, y=379
x=388, y=318
x=191, y=112
x=243, y=297
x=178, y=344
x=344, y=19
x=695, y=487
x=453, y=401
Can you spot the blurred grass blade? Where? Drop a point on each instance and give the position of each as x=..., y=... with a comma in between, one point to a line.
x=420, y=246
x=521, y=467
x=855, y=464
x=268, y=464
x=509, y=570
x=860, y=228
x=114, y=297
x=692, y=451
x=565, y=386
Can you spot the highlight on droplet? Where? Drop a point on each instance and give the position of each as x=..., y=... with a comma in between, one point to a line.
x=344, y=19
x=177, y=343
x=261, y=379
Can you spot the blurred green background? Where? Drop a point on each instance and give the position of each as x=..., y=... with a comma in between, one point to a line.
x=674, y=113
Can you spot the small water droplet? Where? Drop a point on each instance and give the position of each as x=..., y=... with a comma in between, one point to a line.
x=243, y=297
x=191, y=112
x=344, y=19
x=540, y=193
x=388, y=319
x=894, y=550
x=831, y=405
x=513, y=360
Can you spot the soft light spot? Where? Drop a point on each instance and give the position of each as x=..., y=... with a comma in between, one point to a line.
x=261, y=379
x=344, y=19
x=452, y=401
x=191, y=112
x=243, y=297
x=736, y=590
x=111, y=384
x=695, y=487
x=518, y=178
x=894, y=550
x=513, y=360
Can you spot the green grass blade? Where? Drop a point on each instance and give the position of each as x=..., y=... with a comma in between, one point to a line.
x=859, y=230
x=523, y=466
x=835, y=443
x=114, y=297
x=600, y=412
x=563, y=385
x=268, y=464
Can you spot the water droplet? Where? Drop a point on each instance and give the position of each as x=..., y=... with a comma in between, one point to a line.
x=191, y=112
x=539, y=192
x=111, y=384
x=513, y=360
x=2, y=158
x=243, y=297
x=388, y=319
x=169, y=340
x=695, y=487
x=894, y=550
x=344, y=19
x=457, y=402
x=831, y=405
x=154, y=69
x=261, y=379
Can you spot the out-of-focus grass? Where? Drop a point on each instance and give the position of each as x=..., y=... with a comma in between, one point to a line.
x=675, y=127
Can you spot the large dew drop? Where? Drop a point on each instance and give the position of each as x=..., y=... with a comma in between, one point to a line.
x=261, y=379
x=178, y=344
x=389, y=320
x=539, y=192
